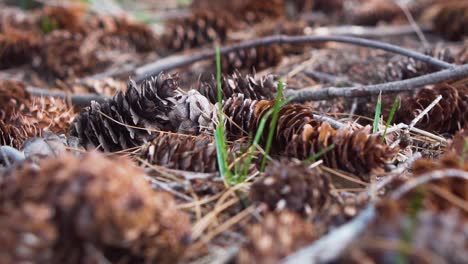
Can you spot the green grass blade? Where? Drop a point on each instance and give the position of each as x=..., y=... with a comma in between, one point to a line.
x=395, y=105
x=221, y=150
x=272, y=127
x=319, y=154
x=378, y=109
x=464, y=151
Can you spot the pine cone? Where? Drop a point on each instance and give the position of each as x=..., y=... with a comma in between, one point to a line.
x=294, y=187
x=448, y=116
x=126, y=35
x=355, y=151
x=64, y=57
x=106, y=86
x=459, y=143
x=255, y=11
x=411, y=68
x=202, y=27
x=14, y=97
x=249, y=85
x=16, y=48
x=240, y=113
x=450, y=19
x=371, y=12
x=252, y=59
x=194, y=114
x=327, y=6
x=181, y=152
x=69, y=18
x=88, y=208
x=275, y=237
x=112, y=124
x=16, y=131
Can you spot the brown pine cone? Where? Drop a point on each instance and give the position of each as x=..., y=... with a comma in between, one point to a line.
x=252, y=59
x=181, y=152
x=327, y=6
x=448, y=116
x=459, y=143
x=130, y=118
x=88, y=209
x=275, y=237
x=202, y=27
x=355, y=151
x=126, y=35
x=16, y=48
x=17, y=130
x=294, y=187
x=371, y=12
x=14, y=97
x=249, y=85
x=239, y=112
x=63, y=56
x=106, y=86
x=450, y=19
x=255, y=11
x=70, y=18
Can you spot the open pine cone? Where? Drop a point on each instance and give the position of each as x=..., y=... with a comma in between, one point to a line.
x=16, y=48
x=63, y=56
x=202, y=27
x=130, y=118
x=181, y=152
x=127, y=35
x=249, y=85
x=83, y=210
x=252, y=59
x=450, y=19
x=275, y=237
x=448, y=116
x=294, y=187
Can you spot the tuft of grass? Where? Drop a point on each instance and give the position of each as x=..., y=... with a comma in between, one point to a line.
x=378, y=109
x=395, y=105
x=220, y=137
x=273, y=122
x=319, y=154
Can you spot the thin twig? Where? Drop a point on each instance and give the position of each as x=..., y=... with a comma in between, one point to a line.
x=335, y=124
x=457, y=72
x=427, y=177
x=76, y=99
x=331, y=246
x=425, y=111
x=172, y=62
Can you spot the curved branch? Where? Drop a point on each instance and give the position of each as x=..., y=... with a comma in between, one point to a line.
x=456, y=72
x=179, y=61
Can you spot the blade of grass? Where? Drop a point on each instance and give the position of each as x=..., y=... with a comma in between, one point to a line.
x=220, y=138
x=395, y=105
x=378, y=109
x=272, y=127
x=464, y=151
x=319, y=154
